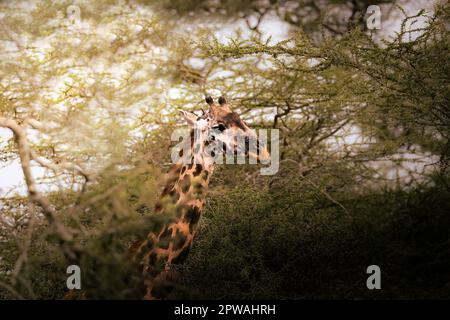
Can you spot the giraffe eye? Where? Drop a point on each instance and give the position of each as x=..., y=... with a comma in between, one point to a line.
x=221, y=127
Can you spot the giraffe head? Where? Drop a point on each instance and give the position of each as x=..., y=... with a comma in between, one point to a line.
x=220, y=131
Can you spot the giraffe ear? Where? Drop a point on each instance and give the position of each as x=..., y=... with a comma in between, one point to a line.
x=189, y=117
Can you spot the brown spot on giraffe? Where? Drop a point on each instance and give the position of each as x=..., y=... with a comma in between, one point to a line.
x=185, y=183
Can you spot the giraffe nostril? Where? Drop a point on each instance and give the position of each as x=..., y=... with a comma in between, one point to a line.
x=213, y=138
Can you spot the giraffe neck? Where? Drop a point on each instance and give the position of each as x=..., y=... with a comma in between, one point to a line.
x=183, y=196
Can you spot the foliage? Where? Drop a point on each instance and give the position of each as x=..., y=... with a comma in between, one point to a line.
x=364, y=141
x=272, y=246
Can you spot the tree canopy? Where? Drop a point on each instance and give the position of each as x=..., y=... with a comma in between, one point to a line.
x=90, y=92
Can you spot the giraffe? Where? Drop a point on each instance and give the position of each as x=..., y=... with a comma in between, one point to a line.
x=185, y=192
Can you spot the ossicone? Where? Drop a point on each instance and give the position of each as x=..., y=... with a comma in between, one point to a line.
x=222, y=100
x=209, y=100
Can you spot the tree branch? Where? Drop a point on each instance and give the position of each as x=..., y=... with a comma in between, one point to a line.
x=25, y=159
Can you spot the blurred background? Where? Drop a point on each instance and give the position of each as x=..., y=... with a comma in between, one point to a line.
x=364, y=125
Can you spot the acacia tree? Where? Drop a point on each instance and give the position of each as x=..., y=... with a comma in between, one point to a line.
x=93, y=99
x=77, y=92
x=320, y=94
